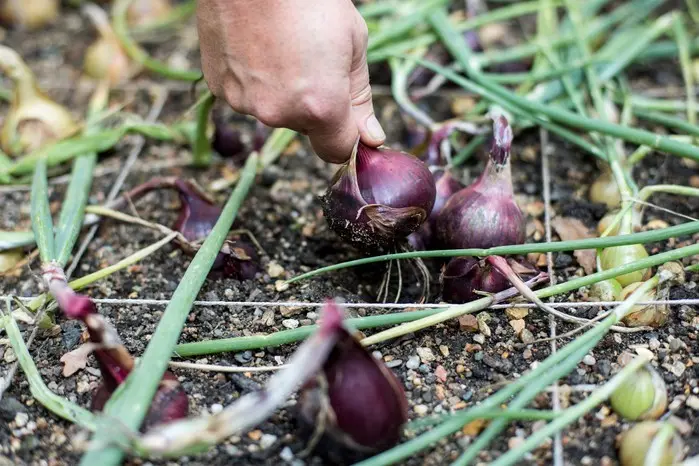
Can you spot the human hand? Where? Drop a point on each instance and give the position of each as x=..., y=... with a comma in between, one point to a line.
x=298, y=65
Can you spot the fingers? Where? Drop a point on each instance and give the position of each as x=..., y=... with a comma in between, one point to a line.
x=334, y=133
x=370, y=130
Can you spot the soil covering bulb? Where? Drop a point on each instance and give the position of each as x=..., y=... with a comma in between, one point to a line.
x=33, y=119
x=29, y=14
x=485, y=213
x=643, y=396
x=379, y=197
x=635, y=443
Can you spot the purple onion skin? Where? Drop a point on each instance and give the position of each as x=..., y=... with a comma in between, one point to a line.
x=227, y=141
x=198, y=214
x=446, y=186
x=238, y=260
x=379, y=197
x=359, y=401
x=463, y=276
x=485, y=214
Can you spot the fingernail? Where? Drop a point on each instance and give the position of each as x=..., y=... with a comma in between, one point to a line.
x=375, y=129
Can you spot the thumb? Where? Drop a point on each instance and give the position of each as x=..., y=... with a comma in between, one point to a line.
x=370, y=131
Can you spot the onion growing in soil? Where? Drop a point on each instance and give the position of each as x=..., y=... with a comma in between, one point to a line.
x=33, y=119
x=197, y=217
x=145, y=12
x=645, y=315
x=355, y=407
x=29, y=14
x=170, y=401
x=379, y=197
x=105, y=59
x=641, y=397
x=635, y=444
x=604, y=190
x=485, y=213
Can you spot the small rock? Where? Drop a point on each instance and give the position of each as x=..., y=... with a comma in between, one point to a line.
x=526, y=336
x=589, y=360
x=425, y=354
x=480, y=338
x=527, y=354
x=281, y=285
x=267, y=441
x=693, y=402
x=514, y=442
x=83, y=386
x=394, y=363
x=286, y=454
x=420, y=410
x=21, y=419
x=255, y=435
x=290, y=323
x=71, y=333
x=468, y=323
x=654, y=344
x=413, y=362
x=678, y=368
x=676, y=345
x=517, y=325
x=274, y=270
x=9, y=355
x=471, y=348
x=441, y=373
x=244, y=357
x=604, y=367
x=517, y=312
x=9, y=407
x=216, y=408
x=444, y=349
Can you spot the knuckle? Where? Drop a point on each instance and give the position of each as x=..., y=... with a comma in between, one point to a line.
x=362, y=95
x=318, y=106
x=270, y=115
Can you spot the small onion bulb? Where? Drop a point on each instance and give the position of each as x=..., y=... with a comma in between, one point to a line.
x=29, y=14
x=642, y=396
x=635, y=443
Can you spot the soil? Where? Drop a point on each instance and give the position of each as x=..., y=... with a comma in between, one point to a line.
x=283, y=213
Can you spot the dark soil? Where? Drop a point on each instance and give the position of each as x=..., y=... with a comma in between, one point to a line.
x=284, y=214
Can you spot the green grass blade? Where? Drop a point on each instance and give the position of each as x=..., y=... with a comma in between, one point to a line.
x=15, y=239
x=42, y=223
x=131, y=402
x=70, y=220
x=202, y=150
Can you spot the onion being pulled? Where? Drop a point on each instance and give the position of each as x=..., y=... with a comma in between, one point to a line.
x=379, y=197
x=485, y=213
x=33, y=119
x=355, y=407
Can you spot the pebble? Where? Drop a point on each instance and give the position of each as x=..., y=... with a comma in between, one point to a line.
x=286, y=454
x=589, y=360
x=676, y=345
x=441, y=373
x=517, y=325
x=290, y=323
x=9, y=407
x=216, y=408
x=274, y=270
x=267, y=440
x=468, y=323
x=517, y=312
x=71, y=333
x=394, y=363
x=654, y=344
x=468, y=394
x=480, y=338
x=693, y=402
x=514, y=442
x=21, y=419
x=83, y=386
x=526, y=336
x=426, y=354
x=677, y=368
x=527, y=354
x=413, y=362
x=444, y=349
x=420, y=410
x=244, y=357
x=604, y=367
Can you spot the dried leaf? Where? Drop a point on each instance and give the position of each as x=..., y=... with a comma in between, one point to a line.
x=77, y=359
x=570, y=229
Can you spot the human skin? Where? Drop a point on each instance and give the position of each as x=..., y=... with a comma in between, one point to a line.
x=298, y=64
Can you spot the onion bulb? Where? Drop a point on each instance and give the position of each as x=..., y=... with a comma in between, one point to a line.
x=9, y=259
x=485, y=213
x=645, y=315
x=33, y=119
x=379, y=197
x=105, y=59
x=605, y=190
x=622, y=255
x=29, y=14
x=642, y=396
x=145, y=12
x=635, y=443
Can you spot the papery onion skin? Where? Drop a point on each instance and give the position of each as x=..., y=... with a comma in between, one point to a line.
x=379, y=197
x=463, y=276
x=635, y=443
x=106, y=60
x=358, y=402
x=485, y=214
x=645, y=315
x=621, y=255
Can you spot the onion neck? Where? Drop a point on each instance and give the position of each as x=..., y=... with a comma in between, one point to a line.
x=497, y=178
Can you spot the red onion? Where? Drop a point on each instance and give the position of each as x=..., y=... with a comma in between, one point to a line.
x=170, y=401
x=379, y=197
x=485, y=213
x=463, y=276
x=355, y=407
x=197, y=217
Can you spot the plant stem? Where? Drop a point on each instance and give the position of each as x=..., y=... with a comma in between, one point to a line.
x=130, y=403
x=572, y=414
x=684, y=229
x=683, y=44
x=54, y=403
x=276, y=143
x=42, y=223
x=201, y=151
